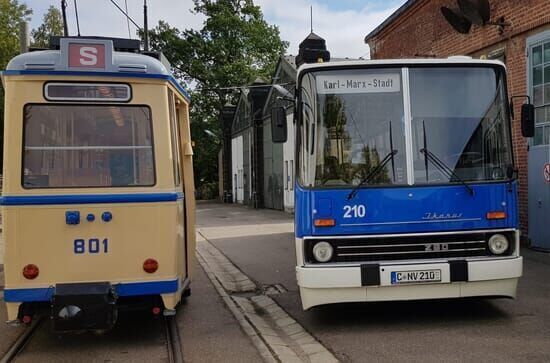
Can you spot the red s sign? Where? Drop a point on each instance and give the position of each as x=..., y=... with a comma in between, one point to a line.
x=87, y=55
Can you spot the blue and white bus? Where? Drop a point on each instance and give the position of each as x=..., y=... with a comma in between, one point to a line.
x=406, y=187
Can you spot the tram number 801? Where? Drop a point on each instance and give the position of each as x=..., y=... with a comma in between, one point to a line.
x=93, y=245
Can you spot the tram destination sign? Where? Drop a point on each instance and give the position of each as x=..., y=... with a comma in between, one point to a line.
x=81, y=54
x=355, y=83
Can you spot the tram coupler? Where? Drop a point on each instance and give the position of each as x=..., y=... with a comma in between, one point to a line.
x=83, y=307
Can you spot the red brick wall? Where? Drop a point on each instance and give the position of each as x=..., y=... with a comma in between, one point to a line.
x=421, y=31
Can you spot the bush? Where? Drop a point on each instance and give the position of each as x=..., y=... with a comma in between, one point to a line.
x=207, y=191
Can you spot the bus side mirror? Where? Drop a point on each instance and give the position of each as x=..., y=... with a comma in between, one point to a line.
x=278, y=125
x=528, y=120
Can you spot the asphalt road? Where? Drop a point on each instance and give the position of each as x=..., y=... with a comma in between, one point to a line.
x=420, y=331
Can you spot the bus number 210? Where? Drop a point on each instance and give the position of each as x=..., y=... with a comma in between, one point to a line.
x=354, y=211
x=93, y=245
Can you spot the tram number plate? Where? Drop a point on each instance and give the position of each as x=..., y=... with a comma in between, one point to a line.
x=92, y=245
x=418, y=276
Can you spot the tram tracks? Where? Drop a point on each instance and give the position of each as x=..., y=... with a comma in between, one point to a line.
x=169, y=329
x=173, y=342
x=20, y=343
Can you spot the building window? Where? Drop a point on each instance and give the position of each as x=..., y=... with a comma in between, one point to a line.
x=540, y=90
x=291, y=173
x=286, y=175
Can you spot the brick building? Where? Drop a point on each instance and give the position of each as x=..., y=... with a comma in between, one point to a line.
x=418, y=29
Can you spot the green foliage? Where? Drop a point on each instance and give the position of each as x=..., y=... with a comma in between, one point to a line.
x=52, y=24
x=207, y=191
x=234, y=46
x=12, y=13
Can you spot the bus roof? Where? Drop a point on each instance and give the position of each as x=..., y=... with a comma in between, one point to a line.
x=455, y=60
x=91, y=57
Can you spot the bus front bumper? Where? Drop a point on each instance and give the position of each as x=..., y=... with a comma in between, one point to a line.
x=464, y=278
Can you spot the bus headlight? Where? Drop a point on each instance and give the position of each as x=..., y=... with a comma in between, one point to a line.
x=498, y=244
x=322, y=251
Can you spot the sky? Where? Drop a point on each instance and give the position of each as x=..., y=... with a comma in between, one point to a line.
x=343, y=23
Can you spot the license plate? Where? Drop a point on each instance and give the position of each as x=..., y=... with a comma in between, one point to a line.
x=417, y=276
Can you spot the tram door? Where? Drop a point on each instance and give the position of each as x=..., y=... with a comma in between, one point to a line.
x=177, y=156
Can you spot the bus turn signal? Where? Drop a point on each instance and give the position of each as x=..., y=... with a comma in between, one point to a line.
x=496, y=215
x=326, y=222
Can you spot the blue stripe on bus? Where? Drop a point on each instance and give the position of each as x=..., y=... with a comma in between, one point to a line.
x=122, y=289
x=90, y=198
x=166, y=77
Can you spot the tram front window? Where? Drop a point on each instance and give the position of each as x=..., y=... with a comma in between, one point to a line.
x=87, y=146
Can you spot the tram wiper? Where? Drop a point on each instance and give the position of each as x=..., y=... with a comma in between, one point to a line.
x=373, y=173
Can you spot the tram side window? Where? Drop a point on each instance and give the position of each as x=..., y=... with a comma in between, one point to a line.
x=87, y=146
x=174, y=132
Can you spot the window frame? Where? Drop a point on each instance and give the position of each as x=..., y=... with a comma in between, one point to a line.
x=73, y=104
x=532, y=42
x=175, y=142
x=405, y=67
x=87, y=100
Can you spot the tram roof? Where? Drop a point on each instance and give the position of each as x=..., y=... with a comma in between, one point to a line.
x=111, y=63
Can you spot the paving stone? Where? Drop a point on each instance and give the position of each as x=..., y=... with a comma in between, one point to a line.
x=267, y=331
x=257, y=321
x=305, y=340
x=323, y=357
x=292, y=329
x=312, y=348
x=264, y=303
x=274, y=340
x=290, y=359
x=285, y=321
x=284, y=351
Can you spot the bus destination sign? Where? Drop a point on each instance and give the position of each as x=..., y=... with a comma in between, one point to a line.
x=353, y=83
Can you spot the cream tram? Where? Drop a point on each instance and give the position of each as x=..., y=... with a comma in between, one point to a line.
x=98, y=196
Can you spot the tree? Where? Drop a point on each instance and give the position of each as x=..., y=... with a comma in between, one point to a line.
x=12, y=13
x=234, y=47
x=52, y=24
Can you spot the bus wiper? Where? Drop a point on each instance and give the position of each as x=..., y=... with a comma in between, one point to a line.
x=373, y=173
x=444, y=168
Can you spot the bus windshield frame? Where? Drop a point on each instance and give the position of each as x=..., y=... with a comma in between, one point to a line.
x=351, y=119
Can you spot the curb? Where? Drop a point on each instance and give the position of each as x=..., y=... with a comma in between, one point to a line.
x=276, y=335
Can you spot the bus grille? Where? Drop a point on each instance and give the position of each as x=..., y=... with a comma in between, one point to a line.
x=372, y=249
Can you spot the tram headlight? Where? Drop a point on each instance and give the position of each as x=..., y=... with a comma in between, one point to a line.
x=498, y=244
x=322, y=251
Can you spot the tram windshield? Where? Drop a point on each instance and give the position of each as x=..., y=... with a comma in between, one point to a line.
x=87, y=146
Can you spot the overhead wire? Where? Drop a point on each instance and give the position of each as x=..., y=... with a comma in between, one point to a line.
x=127, y=20
x=77, y=20
x=246, y=87
x=125, y=14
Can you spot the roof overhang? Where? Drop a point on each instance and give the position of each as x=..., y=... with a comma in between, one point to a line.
x=390, y=19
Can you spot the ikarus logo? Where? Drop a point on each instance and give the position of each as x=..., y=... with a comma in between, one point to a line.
x=430, y=216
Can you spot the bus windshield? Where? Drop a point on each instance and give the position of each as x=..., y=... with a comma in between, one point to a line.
x=356, y=128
